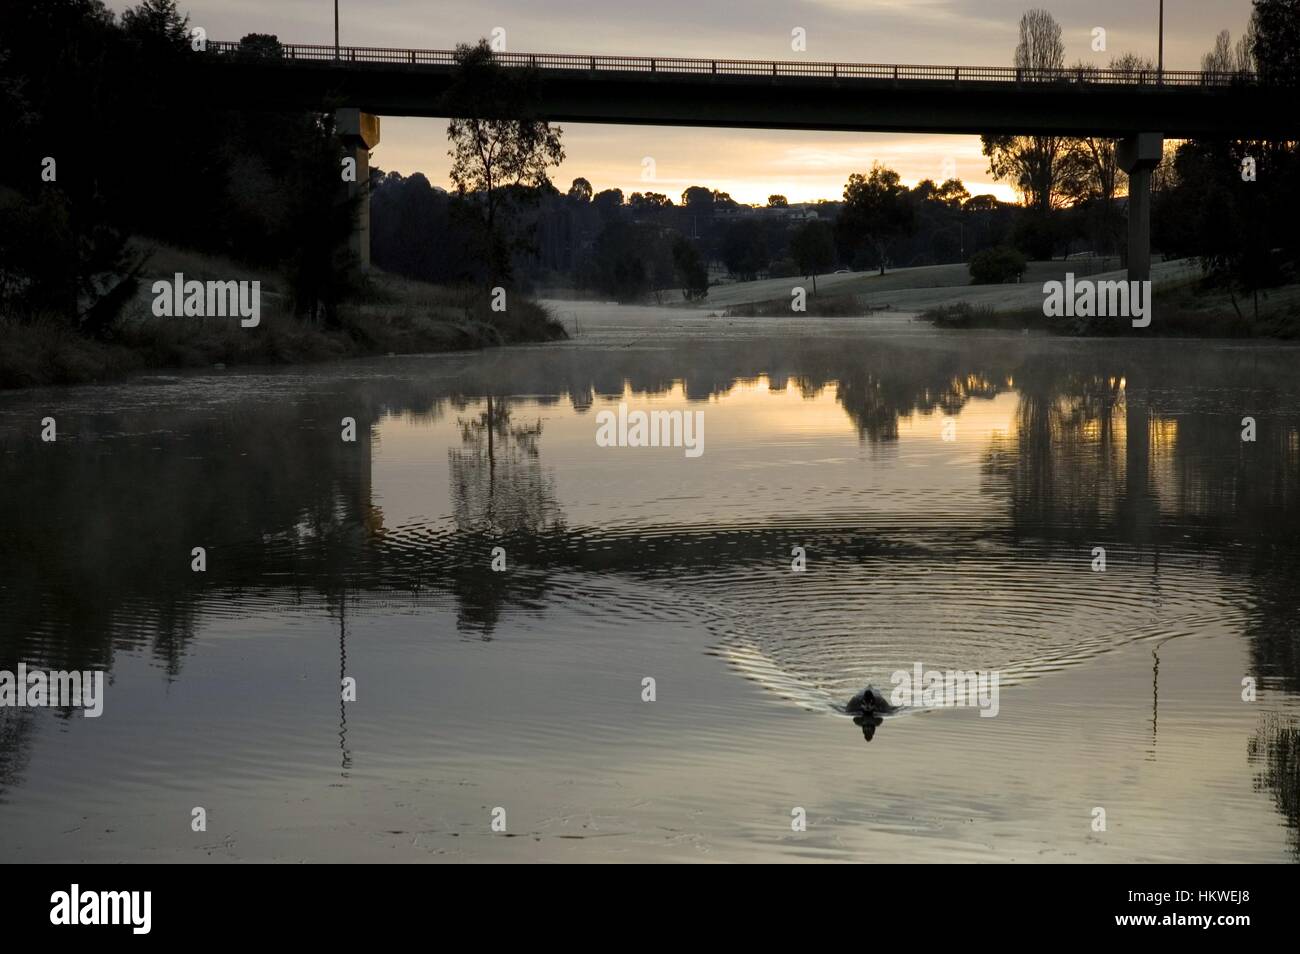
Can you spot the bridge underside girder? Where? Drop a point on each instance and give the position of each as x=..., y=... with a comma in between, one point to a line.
x=756, y=102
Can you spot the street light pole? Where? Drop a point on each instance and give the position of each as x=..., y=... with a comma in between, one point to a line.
x=336, y=26
x=1160, y=69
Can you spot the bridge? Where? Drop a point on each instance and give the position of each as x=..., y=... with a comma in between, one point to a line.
x=1139, y=108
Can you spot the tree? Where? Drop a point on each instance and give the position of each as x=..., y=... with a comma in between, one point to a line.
x=609, y=203
x=777, y=202
x=1221, y=58
x=1040, y=51
x=1100, y=181
x=656, y=250
x=1039, y=167
x=952, y=193
x=744, y=250
x=1231, y=230
x=498, y=150
x=1091, y=166
x=689, y=269
x=1232, y=60
x=813, y=249
x=580, y=191
x=724, y=200
x=1243, y=232
x=1043, y=169
x=157, y=25
x=1245, y=49
x=981, y=203
x=1132, y=65
x=631, y=259
x=940, y=226
x=411, y=232
x=648, y=201
x=1276, y=47
x=698, y=199
x=74, y=85
x=1102, y=177
x=876, y=210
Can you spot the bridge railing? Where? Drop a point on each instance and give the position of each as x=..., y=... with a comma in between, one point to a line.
x=575, y=62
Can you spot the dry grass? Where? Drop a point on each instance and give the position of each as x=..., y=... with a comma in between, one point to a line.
x=45, y=351
x=390, y=315
x=1184, y=309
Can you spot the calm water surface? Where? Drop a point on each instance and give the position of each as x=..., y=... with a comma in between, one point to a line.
x=523, y=689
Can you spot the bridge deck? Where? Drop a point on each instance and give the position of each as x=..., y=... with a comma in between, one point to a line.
x=584, y=62
x=768, y=94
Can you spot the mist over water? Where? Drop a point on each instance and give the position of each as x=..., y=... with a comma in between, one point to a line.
x=522, y=688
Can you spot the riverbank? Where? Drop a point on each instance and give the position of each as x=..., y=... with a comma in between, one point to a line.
x=1182, y=310
x=910, y=288
x=1184, y=304
x=390, y=315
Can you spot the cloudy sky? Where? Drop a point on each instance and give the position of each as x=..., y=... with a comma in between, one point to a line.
x=750, y=164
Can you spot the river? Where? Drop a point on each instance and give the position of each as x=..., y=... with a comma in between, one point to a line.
x=568, y=651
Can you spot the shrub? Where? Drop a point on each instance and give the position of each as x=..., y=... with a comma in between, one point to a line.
x=960, y=314
x=783, y=268
x=994, y=266
x=1038, y=235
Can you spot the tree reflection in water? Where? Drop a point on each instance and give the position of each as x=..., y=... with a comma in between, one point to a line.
x=1117, y=443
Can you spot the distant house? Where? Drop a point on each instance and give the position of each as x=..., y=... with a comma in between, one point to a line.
x=795, y=213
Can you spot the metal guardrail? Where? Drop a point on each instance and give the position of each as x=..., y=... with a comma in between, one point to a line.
x=788, y=68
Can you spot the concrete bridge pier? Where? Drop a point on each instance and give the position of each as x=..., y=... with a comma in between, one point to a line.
x=360, y=133
x=1137, y=156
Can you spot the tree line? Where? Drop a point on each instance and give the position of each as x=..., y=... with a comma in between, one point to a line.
x=647, y=244
x=105, y=140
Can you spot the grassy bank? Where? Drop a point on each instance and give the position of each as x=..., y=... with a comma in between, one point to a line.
x=965, y=315
x=389, y=316
x=1187, y=309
